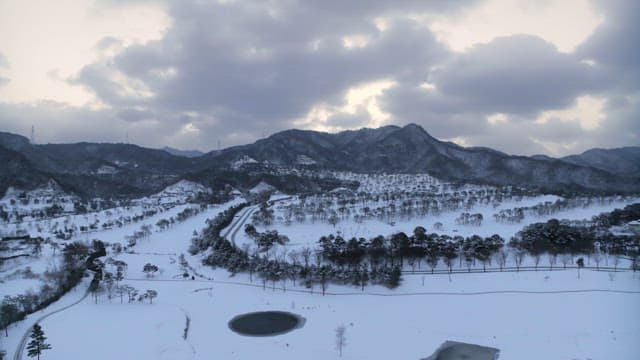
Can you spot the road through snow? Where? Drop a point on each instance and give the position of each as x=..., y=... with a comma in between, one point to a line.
x=20, y=349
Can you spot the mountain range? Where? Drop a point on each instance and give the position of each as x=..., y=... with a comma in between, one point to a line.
x=125, y=170
x=185, y=153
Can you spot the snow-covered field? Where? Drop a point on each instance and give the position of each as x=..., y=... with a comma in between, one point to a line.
x=581, y=325
x=307, y=233
x=560, y=314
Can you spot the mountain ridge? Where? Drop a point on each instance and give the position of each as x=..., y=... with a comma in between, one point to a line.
x=411, y=149
x=133, y=169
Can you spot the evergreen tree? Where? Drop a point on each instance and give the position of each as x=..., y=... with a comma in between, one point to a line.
x=394, y=277
x=37, y=343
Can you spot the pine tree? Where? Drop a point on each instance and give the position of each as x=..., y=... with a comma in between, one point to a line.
x=37, y=343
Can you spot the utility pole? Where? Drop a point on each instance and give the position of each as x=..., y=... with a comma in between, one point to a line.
x=33, y=135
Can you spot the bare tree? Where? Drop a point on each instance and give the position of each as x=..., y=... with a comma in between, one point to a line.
x=341, y=338
x=306, y=256
x=552, y=260
x=519, y=256
x=597, y=257
x=501, y=257
x=151, y=294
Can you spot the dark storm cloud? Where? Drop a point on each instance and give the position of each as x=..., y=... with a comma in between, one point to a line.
x=614, y=44
x=522, y=76
x=254, y=66
x=134, y=115
x=613, y=47
x=241, y=70
x=266, y=69
x=517, y=74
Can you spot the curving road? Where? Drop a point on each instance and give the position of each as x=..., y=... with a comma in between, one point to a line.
x=240, y=223
x=23, y=341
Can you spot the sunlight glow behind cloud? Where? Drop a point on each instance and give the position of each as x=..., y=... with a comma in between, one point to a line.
x=566, y=24
x=46, y=45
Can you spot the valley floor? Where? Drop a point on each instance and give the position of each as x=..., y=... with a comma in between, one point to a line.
x=527, y=315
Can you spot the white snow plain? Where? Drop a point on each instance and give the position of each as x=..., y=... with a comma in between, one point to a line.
x=527, y=315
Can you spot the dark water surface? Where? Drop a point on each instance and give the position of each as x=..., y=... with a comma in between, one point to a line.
x=266, y=323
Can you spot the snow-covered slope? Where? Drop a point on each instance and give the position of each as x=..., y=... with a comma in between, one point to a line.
x=38, y=198
x=180, y=192
x=261, y=187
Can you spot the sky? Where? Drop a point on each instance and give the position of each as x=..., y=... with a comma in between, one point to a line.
x=553, y=77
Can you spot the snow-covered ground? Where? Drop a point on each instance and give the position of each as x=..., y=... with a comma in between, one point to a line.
x=307, y=233
x=403, y=324
x=542, y=314
x=180, y=192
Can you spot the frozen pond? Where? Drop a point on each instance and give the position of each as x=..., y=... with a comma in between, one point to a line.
x=266, y=323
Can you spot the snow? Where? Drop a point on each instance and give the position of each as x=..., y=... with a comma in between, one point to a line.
x=106, y=170
x=560, y=314
x=180, y=192
x=261, y=187
x=39, y=198
x=307, y=233
x=523, y=326
x=244, y=160
x=305, y=160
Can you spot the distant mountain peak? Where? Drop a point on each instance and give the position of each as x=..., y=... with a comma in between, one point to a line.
x=414, y=126
x=185, y=153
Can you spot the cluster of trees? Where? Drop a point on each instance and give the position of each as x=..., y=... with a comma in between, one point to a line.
x=400, y=248
x=308, y=273
x=142, y=234
x=618, y=217
x=76, y=257
x=183, y=215
x=265, y=240
x=469, y=219
x=120, y=290
x=69, y=228
x=109, y=282
x=211, y=234
x=554, y=236
x=150, y=269
x=516, y=215
x=561, y=237
x=278, y=269
x=264, y=216
x=388, y=206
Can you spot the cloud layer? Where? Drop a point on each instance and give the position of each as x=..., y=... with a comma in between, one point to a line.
x=235, y=71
